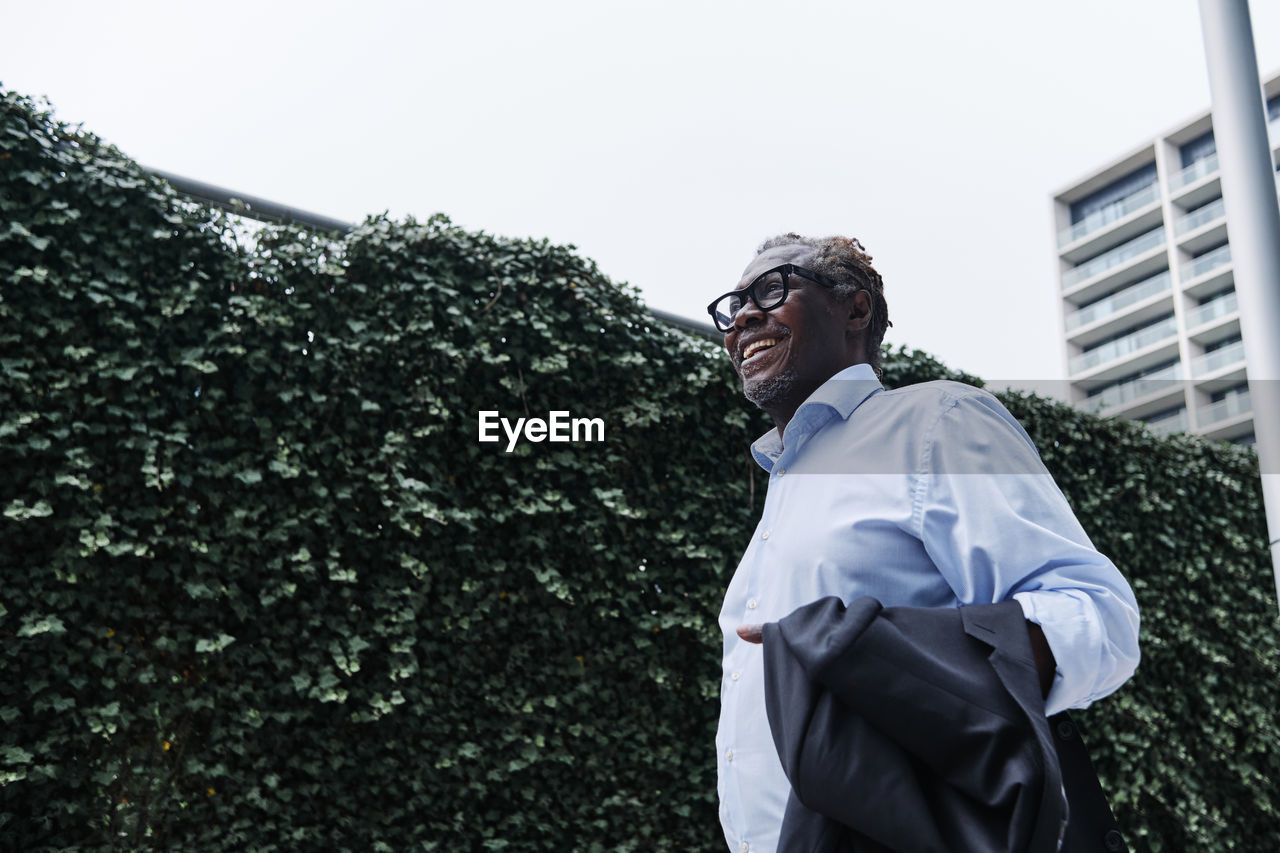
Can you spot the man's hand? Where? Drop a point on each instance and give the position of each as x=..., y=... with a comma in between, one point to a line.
x=752, y=633
x=1045, y=663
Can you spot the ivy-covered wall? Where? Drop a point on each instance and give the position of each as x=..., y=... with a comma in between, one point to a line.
x=262, y=588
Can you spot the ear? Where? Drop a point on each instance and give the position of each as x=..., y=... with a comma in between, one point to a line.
x=859, y=312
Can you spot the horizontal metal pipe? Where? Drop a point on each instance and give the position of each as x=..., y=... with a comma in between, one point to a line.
x=265, y=210
x=250, y=206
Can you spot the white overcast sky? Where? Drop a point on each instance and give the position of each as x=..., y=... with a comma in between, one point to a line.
x=664, y=139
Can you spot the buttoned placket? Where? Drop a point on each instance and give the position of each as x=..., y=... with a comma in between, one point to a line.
x=754, y=603
x=765, y=554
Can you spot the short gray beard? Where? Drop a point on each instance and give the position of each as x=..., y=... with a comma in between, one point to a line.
x=763, y=392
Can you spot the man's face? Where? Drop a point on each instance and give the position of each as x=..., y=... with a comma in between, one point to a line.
x=783, y=355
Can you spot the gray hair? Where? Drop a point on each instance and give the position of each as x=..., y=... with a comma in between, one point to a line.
x=844, y=260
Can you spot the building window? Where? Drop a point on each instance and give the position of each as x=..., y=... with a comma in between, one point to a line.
x=1170, y=420
x=1162, y=377
x=1235, y=391
x=1207, y=259
x=1216, y=295
x=1164, y=413
x=1113, y=193
x=1133, y=332
x=1134, y=377
x=1222, y=344
x=1198, y=149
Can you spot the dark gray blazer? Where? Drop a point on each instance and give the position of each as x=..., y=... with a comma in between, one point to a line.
x=921, y=729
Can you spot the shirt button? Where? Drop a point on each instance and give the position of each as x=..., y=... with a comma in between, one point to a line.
x=764, y=535
x=744, y=847
x=781, y=471
x=751, y=605
x=736, y=676
x=728, y=756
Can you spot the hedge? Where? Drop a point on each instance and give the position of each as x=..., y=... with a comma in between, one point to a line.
x=264, y=589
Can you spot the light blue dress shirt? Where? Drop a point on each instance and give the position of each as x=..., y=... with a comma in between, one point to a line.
x=930, y=496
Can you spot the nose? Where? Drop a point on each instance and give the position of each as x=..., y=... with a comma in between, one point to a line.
x=748, y=315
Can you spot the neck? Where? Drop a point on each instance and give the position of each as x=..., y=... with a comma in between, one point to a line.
x=781, y=419
x=781, y=415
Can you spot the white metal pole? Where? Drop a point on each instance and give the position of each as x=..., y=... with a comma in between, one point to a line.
x=1253, y=222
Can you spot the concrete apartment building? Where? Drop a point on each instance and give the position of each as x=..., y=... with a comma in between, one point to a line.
x=1149, y=317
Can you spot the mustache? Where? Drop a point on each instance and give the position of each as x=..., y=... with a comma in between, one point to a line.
x=782, y=333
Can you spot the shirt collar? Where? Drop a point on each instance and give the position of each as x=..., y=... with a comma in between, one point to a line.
x=839, y=395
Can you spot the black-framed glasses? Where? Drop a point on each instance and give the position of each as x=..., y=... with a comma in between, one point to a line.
x=768, y=291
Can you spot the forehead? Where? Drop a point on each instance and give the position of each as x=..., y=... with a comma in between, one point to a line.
x=794, y=253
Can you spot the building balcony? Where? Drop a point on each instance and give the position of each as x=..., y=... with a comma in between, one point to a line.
x=1174, y=422
x=1120, y=300
x=1229, y=407
x=1158, y=385
x=1110, y=214
x=1194, y=172
x=1200, y=216
x=1229, y=419
x=1120, y=347
x=1113, y=258
x=1220, y=307
x=1212, y=362
x=1206, y=263
x=1210, y=284
x=1203, y=185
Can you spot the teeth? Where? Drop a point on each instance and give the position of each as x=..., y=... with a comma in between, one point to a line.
x=756, y=346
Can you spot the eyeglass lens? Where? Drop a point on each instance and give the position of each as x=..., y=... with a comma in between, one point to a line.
x=767, y=292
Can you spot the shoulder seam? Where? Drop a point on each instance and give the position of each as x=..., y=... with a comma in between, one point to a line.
x=921, y=485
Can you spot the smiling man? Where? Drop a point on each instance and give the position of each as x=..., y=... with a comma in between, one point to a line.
x=929, y=496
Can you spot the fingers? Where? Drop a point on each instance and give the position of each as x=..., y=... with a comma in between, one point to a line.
x=752, y=633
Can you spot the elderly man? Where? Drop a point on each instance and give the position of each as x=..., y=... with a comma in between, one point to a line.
x=929, y=496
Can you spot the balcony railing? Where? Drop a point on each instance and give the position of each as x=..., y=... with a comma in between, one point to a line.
x=1120, y=300
x=1119, y=255
x=1219, y=307
x=1112, y=350
x=1208, y=261
x=1103, y=217
x=1219, y=358
x=1196, y=171
x=1114, y=395
x=1201, y=216
x=1176, y=422
x=1228, y=407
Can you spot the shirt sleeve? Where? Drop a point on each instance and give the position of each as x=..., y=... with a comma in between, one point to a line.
x=998, y=527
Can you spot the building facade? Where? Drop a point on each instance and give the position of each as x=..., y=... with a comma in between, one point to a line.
x=1150, y=324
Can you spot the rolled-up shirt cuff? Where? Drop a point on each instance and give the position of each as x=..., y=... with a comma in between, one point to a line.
x=1090, y=665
